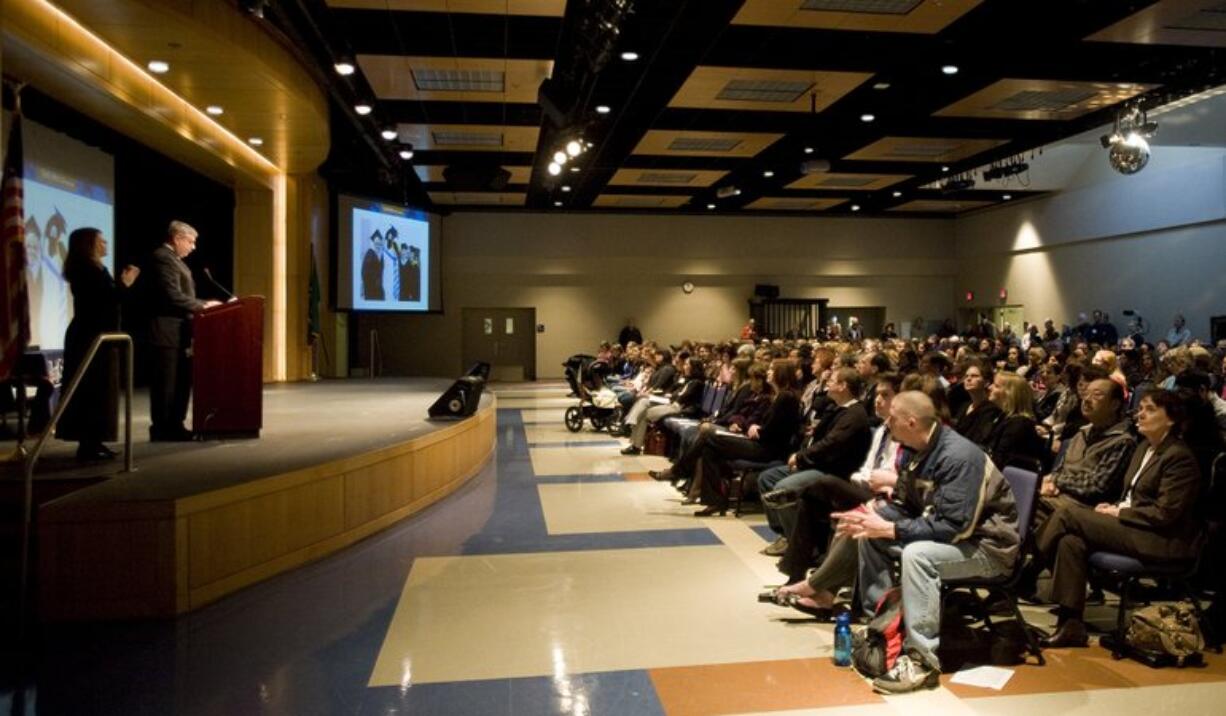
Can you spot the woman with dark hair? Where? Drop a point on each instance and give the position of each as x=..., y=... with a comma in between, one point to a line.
x=766, y=441
x=91, y=417
x=976, y=417
x=1154, y=521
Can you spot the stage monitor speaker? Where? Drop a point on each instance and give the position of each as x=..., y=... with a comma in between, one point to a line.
x=480, y=369
x=460, y=400
x=766, y=290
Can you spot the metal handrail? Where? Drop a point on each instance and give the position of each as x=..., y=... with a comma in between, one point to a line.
x=28, y=508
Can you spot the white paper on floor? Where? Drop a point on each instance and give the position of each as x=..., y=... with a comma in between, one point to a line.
x=988, y=677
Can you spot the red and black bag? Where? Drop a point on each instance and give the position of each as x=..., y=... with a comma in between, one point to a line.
x=875, y=648
x=656, y=441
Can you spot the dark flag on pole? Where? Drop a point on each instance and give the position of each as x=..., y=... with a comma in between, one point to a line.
x=313, y=297
x=14, y=295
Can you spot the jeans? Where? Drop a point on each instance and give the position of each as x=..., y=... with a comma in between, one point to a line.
x=923, y=566
x=783, y=520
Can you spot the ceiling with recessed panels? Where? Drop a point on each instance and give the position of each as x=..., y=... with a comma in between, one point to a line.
x=723, y=102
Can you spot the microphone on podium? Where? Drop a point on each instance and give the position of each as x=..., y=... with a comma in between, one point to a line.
x=209, y=274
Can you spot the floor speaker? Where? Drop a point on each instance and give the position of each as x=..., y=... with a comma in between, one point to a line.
x=460, y=400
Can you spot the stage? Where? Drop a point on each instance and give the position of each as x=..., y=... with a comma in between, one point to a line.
x=336, y=462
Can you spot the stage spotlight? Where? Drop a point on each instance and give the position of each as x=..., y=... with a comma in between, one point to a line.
x=554, y=169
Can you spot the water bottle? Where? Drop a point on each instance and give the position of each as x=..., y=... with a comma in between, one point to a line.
x=842, y=639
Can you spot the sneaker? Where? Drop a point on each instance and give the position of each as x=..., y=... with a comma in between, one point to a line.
x=630, y=450
x=909, y=674
x=776, y=548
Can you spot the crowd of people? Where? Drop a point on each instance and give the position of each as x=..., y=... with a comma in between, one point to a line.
x=879, y=462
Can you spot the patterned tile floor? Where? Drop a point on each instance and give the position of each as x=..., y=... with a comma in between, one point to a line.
x=559, y=581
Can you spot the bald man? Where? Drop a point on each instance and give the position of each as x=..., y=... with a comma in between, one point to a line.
x=952, y=517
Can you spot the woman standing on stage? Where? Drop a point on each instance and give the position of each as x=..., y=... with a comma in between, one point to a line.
x=92, y=417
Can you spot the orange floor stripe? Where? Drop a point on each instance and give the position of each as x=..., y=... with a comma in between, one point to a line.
x=759, y=686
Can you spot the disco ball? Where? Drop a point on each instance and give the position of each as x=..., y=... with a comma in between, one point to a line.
x=1129, y=155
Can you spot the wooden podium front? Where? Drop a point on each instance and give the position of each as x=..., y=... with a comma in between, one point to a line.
x=227, y=369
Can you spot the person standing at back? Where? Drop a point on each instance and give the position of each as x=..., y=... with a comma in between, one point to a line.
x=172, y=301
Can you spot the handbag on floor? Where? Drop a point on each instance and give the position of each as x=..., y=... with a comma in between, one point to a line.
x=1166, y=633
x=656, y=442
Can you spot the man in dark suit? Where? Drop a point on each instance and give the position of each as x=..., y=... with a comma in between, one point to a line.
x=372, y=269
x=172, y=300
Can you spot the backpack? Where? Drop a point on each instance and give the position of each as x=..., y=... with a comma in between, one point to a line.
x=1166, y=631
x=875, y=648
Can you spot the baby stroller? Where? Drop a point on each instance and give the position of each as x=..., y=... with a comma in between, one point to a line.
x=597, y=404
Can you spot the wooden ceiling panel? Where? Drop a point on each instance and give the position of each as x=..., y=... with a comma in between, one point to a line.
x=915, y=16
x=640, y=201
x=1043, y=99
x=434, y=173
x=944, y=206
x=1197, y=23
x=444, y=79
x=923, y=149
x=681, y=143
x=666, y=177
x=469, y=137
x=477, y=198
x=847, y=181
x=542, y=8
x=748, y=89
x=782, y=203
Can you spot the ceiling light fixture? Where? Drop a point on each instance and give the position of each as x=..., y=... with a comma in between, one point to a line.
x=867, y=117
x=630, y=56
x=944, y=168
x=344, y=69
x=881, y=86
x=554, y=169
x=574, y=170
x=215, y=110
x=406, y=153
x=855, y=207
x=949, y=69
x=256, y=142
x=557, y=203
x=808, y=150
x=158, y=67
x=389, y=134
x=1007, y=197
x=574, y=148
x=566, y=188
x=603, y=109
x=559, y=157
x=362, y=109
x=897, y=194
x=710, y=206
x=768, y=174
x=1127, y=144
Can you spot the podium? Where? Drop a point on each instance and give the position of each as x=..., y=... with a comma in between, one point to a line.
x=227, y=369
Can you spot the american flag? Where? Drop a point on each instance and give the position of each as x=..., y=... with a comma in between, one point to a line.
x=14, y=296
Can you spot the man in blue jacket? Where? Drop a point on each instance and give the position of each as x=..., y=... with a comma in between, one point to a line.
x=952, y=516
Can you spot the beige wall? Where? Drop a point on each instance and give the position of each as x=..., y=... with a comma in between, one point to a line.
x=1153, y=242
x=584, y=274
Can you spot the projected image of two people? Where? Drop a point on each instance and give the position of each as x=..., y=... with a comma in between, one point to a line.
x=391, y=268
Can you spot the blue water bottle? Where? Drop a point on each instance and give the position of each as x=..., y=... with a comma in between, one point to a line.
x=842, y=639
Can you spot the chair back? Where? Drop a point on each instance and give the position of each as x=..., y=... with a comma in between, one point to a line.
x=720, y=401
x=1025, y=487
x=709, y=392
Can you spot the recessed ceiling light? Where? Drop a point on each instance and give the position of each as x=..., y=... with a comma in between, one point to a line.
x=808, y=150
x=630, y=56
x=603, y=109
x=574, y=148
x=214, y=110
x=867, y=117
x=944, y=168
x=255, y=142
x=560, y=158
x=406, y=154
x=362, y=109
x=566, y=188
x=389, y=134
x=710, y=206
x=554, y=169
x=159, y=67
x=768, y=174
x=949, y=69
x=1007, y=197
x=855, y=207
x=557, y=203
x=574, y=170
x=897, y=194
x=344, y=69
x=881, y=86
